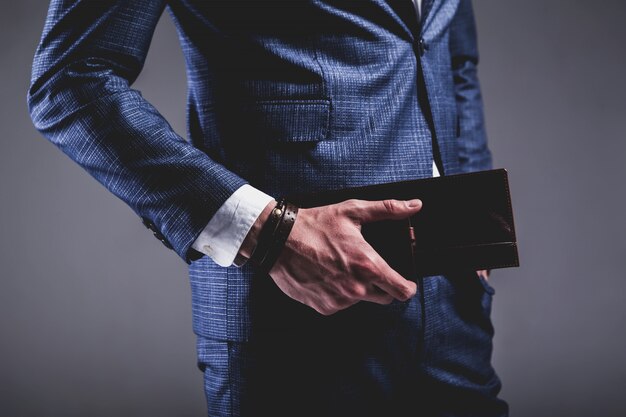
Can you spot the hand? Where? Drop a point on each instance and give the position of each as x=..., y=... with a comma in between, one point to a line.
x=484, y=273
x=327, y=264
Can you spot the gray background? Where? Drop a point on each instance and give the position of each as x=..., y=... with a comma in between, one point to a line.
x=95, y=314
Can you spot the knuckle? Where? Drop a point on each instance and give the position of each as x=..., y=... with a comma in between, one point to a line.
x=352, y=290
x=359, y=290
x=390, y=205
x=350, y=204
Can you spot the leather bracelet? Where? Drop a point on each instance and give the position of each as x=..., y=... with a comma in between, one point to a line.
x=267, y=230
x=280, y=236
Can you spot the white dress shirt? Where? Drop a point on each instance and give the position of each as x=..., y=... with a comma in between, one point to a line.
x=222, y=237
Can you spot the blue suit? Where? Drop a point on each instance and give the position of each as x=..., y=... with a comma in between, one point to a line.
x=289, y=96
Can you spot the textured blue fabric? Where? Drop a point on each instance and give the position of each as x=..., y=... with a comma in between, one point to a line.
x=289, y=96
x=430, y=358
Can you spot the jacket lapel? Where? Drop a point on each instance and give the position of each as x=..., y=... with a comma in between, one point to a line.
x=426, y=6
x=427, y=11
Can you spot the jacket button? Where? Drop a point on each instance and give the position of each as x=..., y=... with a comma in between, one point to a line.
x=146, y=222
x=149, y=225
x=422, y=47
x=166, y=243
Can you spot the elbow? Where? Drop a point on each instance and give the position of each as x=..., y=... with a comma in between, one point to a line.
x=41, y=104
x=55, y=95
x=36, y=107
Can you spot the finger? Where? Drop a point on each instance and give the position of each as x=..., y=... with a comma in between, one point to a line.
x=378, y=296
x=484, y=273
x=389, y=209
x=398, y=287
x=393, y=283
x=378, y=272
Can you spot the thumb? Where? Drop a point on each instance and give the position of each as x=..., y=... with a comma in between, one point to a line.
x=371, y=211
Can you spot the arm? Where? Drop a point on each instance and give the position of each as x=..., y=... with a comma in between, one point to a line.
x=80, y=99
x=472, y=139
x=474, y=155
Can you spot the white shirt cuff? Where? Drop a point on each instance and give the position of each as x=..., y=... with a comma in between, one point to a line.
x=222, y=237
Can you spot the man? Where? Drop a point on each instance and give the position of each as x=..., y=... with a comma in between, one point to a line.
x=286, y=97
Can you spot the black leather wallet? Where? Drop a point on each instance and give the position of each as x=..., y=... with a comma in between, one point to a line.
x=466, y=223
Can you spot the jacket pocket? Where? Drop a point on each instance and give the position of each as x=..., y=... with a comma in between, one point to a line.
x=281, y=121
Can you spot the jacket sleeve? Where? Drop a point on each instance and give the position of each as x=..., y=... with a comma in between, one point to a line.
x=80, y=98
x=474, y=153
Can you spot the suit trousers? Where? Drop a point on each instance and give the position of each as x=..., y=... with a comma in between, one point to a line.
x=428, y=356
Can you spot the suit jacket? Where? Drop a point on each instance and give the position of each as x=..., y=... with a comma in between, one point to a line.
x=289, y=96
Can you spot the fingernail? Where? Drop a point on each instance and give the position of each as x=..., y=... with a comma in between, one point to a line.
x=413, y=203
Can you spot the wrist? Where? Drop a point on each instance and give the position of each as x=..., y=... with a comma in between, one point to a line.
x=274, y=235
